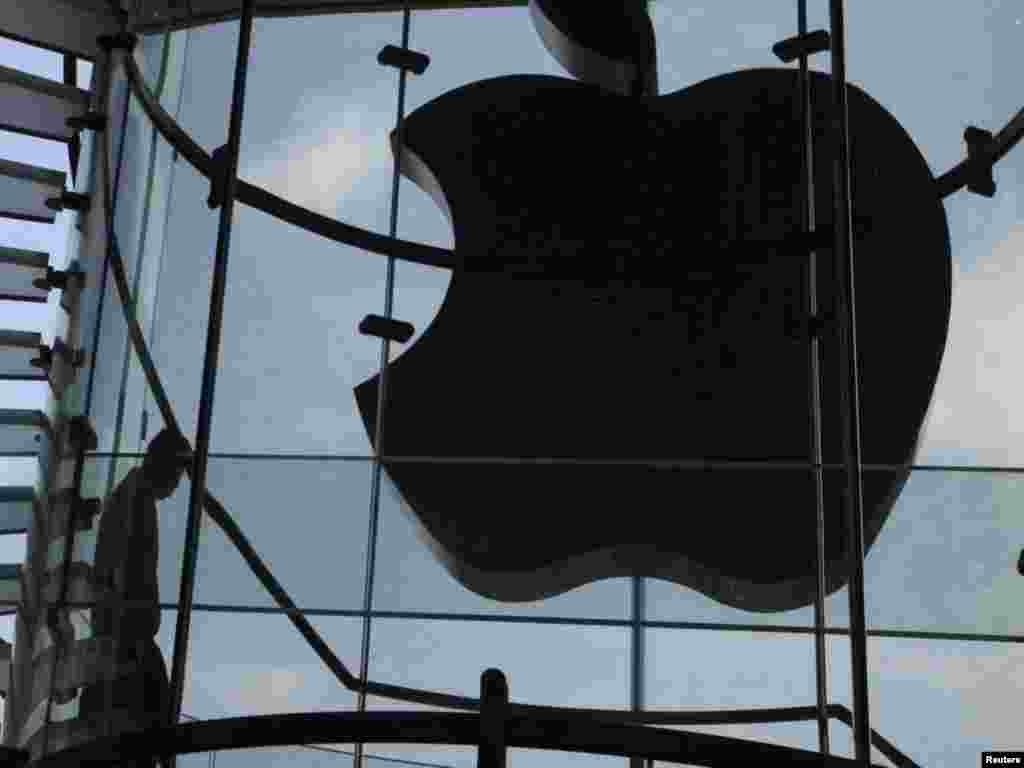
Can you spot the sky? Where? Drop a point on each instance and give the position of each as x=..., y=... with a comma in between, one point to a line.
x=317, y=116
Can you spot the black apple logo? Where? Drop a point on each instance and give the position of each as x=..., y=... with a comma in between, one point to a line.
x=628, y=293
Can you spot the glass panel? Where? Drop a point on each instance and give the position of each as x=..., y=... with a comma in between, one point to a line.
x=293, y=757
x=324, y=145
x=183, y=260
x=294, y=513
x=293, y=330
x=946, y=558
x=209, y=74
x=133, y=150
x=727, y=38
x=976, y=418
x=706, y=670
x=294, y=300
x=959, y=693
x=449, y=656
x=107, y=355
x=143, y=237
x=258, y=664
x=411, y=574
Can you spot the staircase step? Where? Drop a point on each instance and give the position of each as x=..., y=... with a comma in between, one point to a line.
x=21, y=430
x=38, y=107
x=16, y=508
x=17, y=350
x=24, y=190
x=18, y=269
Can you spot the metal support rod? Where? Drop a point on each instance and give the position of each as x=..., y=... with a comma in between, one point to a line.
x=202, y=445
x=814, y=391
x=636, y=678
x=853, y=506
x=385, y=353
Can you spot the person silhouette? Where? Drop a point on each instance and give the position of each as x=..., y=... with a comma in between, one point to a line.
x=126, y=618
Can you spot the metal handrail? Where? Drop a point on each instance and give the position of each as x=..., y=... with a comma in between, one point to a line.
x=256, y=197
x=403, y=727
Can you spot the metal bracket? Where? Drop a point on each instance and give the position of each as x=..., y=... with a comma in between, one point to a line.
x=83, y=511
x=807, y=44
x=91, y=120
x=45, y=359
x=493, y=702
x=218, y=177
x=124, y=41
x=403, y=58
x=386, y=328
x=81, y=435
x=73, y=357
x=56, y=278
x=979, y=160
x=74, y=201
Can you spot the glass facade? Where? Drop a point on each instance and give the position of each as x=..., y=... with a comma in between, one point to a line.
x=291, y=460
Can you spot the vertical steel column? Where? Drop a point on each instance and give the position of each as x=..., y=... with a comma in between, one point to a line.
x=638, y=650
x=849, y=395
x=814, y=390
x=385, y=354
x=201, y=449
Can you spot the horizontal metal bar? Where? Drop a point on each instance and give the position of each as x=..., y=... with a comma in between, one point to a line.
x=191, y=17
x=667, y=463
x=397, y=727
x=354, y=613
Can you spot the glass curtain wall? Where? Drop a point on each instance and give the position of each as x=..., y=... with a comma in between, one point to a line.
x=292, y=460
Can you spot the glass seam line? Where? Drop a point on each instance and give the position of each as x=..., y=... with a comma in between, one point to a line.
x=385, y=352
x=795, y=629
x=738, y=465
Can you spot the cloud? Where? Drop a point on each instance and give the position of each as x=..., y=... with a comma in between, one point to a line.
x=257, y=689
x=326, y=154
x=976, y=415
